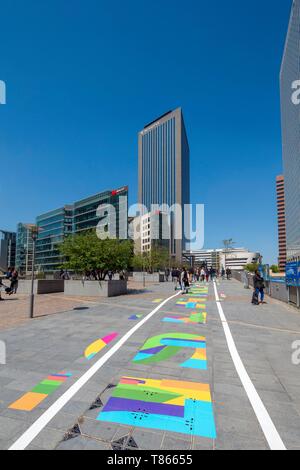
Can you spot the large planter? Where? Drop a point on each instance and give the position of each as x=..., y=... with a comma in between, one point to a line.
x=95, y=288
x=41, y=286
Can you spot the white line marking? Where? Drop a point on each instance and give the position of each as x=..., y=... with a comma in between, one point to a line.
x=271, y=434
x=23, y=442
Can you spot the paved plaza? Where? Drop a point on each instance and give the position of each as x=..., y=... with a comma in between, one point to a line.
x=170, y=384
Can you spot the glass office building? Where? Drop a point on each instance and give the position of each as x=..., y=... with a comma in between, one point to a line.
x=24, y=246
x=164, y=170
x=7, y=250
x=77, y=218
x=290, y=116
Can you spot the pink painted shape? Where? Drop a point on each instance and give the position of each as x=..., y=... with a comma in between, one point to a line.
x=109, y=338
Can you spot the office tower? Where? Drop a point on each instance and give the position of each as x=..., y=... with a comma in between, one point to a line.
x=164, y=172
x=7, y=250
x=77, y=218
x=24, y=249
x=290, y=116
x=281, y=222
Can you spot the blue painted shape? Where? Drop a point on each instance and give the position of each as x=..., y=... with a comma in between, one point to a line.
x=171, y=320
x=198, y=420
x=140, y=356
x=199, y=364
x=184, y=344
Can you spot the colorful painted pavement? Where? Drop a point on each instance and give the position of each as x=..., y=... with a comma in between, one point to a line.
x=165, y=346
x=169, y=405
x=194, y=318
x=98, y=345
x=31, y=400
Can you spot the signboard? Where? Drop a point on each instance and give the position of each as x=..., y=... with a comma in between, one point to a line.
x=293, y=273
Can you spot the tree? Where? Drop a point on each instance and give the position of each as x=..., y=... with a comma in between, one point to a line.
x=251, y=268
x=86, y=252
x=154, y=260
x=275, y=269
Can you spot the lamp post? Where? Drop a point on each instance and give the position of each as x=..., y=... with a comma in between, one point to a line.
x=34, y=231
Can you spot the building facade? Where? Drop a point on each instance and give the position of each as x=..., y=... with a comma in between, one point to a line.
x=24, y=249
x=7, y=250
x=77, y=218
x=290, y=117
x=235, y=258
x=164, y=173
x=281, y=222
x=153, y=231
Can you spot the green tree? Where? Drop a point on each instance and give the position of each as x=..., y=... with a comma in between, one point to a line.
x=86, y=252
x=251, y=268
x=275, y=269
x=154, y=260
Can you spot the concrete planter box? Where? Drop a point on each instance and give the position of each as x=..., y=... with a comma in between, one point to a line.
x=95, y=288
x=41, y=286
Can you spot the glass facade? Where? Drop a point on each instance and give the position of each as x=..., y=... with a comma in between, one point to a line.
x=164, y=169
x=24, y=249
x=76, y=218
x=7, y=250
x=290, y=115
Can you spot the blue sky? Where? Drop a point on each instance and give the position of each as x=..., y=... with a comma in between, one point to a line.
x=83, y=77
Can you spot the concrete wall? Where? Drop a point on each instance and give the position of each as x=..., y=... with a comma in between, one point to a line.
x=95, y=288
x=41, y=286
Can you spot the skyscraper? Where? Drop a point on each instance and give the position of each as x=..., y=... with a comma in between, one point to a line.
x=24, y=249
x=290, y=116
x=164, y=171
x=281, y=222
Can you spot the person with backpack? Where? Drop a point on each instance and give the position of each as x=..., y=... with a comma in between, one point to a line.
x=259, y=286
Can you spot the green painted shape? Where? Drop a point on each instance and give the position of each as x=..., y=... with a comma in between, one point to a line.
x=152, y=395
x=163, y=355
x=55, y=383
x=155, y=340
x=45, y=389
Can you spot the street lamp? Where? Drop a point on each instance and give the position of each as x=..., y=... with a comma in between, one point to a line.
x=34, y=231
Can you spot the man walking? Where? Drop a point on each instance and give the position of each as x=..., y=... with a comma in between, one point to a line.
x=259, y=286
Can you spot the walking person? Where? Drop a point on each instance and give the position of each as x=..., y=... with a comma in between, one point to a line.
x=228, y=274
x=14, y=284
x=259, y=288
x=202, y=275
x=185, y=281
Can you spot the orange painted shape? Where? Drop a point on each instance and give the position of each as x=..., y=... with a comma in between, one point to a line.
x=28, y=402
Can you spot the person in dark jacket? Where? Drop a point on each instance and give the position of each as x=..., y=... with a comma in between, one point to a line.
x=259, y=286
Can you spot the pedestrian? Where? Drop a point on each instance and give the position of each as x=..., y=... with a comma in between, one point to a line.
x=14, y=282
x=228, y=274
x=259, y=287
x=207, y=275
x=202, y=275
x=185, y=281
x=167, y=274
x=223, y=273
x=1, y=285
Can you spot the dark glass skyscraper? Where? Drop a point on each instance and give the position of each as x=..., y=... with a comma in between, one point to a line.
x=290, y=115
x=164, y=169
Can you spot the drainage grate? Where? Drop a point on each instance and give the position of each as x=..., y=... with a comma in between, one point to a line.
x=124, y=443
x=72, y=433
x=97, y=404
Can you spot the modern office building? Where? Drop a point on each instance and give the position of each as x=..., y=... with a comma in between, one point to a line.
x=290, y=117
x=233, y=258
x=79, y=217
x=7, y=250
x=281, y=222
x=153, y=230
x=24, y=249
x=164, y=173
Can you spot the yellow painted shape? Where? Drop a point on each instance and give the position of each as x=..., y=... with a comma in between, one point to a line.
x=28, y=402
x=94, y=348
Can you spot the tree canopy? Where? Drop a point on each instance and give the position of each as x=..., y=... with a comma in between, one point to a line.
x=86, y=252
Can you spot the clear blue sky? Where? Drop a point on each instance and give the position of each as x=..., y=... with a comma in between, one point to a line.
x=84, y=76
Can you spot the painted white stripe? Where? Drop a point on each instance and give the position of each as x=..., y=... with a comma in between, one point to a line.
x=271, y=434
x=25, y=440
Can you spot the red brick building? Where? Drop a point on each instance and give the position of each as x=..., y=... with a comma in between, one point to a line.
x=281, y=222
